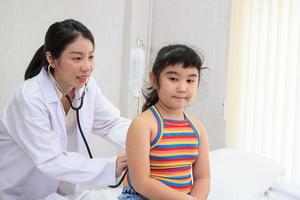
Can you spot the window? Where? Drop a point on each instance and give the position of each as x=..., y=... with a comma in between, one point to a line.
x=263, y=102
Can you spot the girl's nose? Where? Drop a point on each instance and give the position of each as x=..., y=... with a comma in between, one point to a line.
x=181, y=87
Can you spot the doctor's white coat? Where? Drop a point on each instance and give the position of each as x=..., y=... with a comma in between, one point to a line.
x=33, y=141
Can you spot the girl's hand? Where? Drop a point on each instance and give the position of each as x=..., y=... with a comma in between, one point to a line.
x=121, y=165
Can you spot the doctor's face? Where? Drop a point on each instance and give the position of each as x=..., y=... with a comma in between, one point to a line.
x=75, y=64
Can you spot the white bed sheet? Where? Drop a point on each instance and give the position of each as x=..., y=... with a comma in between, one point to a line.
x=236, y=175
x=280, y=191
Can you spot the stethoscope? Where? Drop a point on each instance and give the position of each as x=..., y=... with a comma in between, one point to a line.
x=81, y=98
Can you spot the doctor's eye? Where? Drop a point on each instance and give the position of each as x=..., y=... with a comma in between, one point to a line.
x=76, y=58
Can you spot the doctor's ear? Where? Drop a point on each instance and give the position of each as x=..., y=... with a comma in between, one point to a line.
x=50, y=59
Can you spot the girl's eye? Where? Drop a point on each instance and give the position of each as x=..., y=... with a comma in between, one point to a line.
x=190, y=81
x=91, y=57
x=173, y=78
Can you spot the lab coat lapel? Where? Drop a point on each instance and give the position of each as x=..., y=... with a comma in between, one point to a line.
x=56, y=113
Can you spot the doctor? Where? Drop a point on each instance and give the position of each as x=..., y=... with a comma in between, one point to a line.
x=43, y=155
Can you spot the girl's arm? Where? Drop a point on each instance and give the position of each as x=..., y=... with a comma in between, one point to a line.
x=137, y=149
x=201, y=169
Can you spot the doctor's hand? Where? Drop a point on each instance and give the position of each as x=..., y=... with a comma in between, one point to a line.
x=121, y=165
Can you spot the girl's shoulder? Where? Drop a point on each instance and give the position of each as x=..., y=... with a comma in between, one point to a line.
x=198, y=125
x=146, y=121
x=146, y=118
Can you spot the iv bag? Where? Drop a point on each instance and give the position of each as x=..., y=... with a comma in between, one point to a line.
x=137, y=70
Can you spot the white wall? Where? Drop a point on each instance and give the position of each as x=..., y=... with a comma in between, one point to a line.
x=137, y=26
x=116, y=24
x=23, y=25
x=203, y=24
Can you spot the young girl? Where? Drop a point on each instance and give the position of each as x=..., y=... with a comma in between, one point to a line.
x=167, y=151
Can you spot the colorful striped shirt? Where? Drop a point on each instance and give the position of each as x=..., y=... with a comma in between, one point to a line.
x=173, y=151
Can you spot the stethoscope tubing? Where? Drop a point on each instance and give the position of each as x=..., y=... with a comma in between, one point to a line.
x=78, y=121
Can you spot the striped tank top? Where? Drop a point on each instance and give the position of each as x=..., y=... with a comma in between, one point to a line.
x=173, y=152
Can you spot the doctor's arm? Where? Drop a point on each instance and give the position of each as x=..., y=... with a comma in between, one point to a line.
x=107, y=120
x=34, y=133
x=137, y=149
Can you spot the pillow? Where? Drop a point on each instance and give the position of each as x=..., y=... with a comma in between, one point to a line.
x=238, y=175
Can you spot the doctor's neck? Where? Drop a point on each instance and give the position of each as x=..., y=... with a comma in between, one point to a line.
x=63, y=88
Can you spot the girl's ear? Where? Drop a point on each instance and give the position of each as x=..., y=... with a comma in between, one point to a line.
x=50, y=59
x=153, y=80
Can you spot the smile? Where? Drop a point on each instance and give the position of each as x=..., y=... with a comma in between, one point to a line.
x=82, y=78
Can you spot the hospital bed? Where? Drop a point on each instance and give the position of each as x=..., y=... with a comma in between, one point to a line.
x=235, y=175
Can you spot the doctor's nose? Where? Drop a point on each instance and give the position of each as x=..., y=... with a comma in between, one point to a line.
x=87, y=66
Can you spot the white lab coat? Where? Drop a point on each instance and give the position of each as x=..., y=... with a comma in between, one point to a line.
x=33, y=141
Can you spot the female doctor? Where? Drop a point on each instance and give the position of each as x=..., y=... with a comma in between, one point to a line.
x=43, y=155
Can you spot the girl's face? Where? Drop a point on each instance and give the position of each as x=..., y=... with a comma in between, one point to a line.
x=74, y=66
x=177, y=86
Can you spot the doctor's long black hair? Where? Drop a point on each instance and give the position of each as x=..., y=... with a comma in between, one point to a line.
x=59, y=35
x=171, y=55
